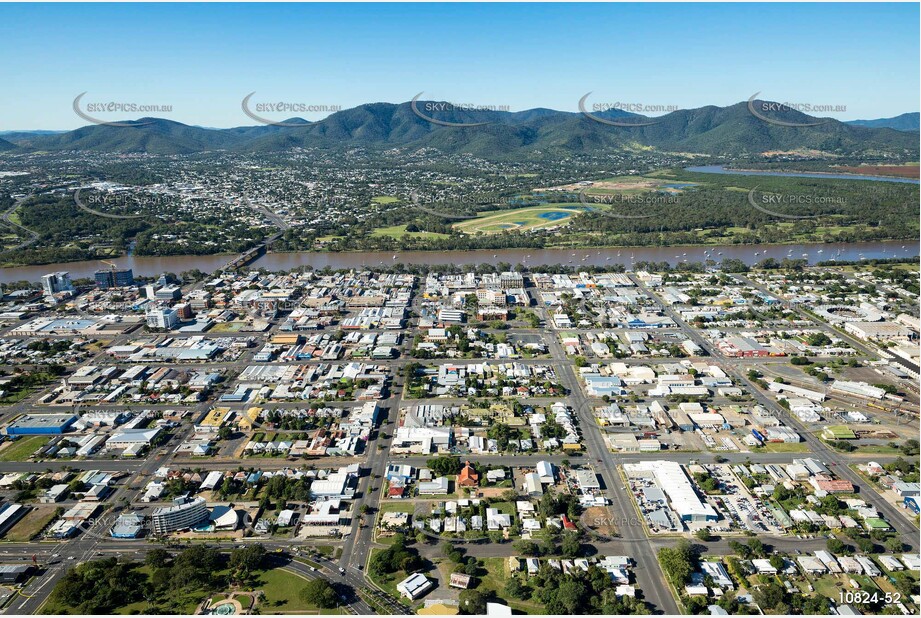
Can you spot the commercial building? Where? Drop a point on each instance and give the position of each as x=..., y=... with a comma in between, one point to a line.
x=184, y=514
x=40, y=424
x=741, y=347
x=10, y=514
x=127, y=526
x=415, y=586
x=682, y=496
x=114, y=278
x=13, y=573
x=877, y=330
x=162, y=317
x=133, y=438
x=860, y=389
x=53, y=283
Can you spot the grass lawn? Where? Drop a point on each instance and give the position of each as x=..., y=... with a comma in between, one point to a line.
x=281, y=590
x=385, y=199
x=397, y=231
x=876, y=449
x=831, y=585
x=395, y=506
x=784, y=447
x=326, y=550
x=388, y=583
x=521, y=219
x=32, y=523
x=15, y=396
x=228, y=327
x=507, y=508
x=21, y=449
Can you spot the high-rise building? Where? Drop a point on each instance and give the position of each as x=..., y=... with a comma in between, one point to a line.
x=162, y=317
x=184, y=310
x=114, y=278
x=52, y=283
x=184, y=514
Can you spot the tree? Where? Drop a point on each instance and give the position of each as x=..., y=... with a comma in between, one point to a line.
x=571, y=595
x=247, y=559
x=835, y=546
x=704, y=535
x=777, y=562
x=770, y=596
x=320, y=593
x=515, y=589
x=894, y=544
x=570, y=545
x=445, y=465
x=911, y=447
x=866, y=545
x=741, y=550
x=472, y=602
x=526, y=548
x=678, y=562
x=157, y=557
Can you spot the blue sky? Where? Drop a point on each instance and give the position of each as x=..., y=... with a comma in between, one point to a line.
x=203, y=59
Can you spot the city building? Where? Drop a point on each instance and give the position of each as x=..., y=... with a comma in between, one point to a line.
x=162, y=317
x=40, y=424
x=114, y=278
x=54, y=283
x=184, y=514
x=415, y=586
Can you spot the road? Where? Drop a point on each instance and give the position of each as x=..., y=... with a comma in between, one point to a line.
x=818, y=449
x=649, y=576
x=356, y=546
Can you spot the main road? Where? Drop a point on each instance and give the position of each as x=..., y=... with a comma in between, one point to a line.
x=649, y=576
x=840, y=464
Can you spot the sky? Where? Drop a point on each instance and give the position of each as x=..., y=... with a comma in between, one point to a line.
x=201, y=60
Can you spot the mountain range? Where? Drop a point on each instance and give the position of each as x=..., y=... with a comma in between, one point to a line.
x=711, y=130
x=903, y=122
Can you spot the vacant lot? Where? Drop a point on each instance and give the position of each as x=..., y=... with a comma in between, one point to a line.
x=21, y=449
x=33, y=523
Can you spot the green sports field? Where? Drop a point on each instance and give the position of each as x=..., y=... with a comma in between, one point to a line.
x=520, y=219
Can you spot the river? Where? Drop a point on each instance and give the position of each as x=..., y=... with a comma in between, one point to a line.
x=719, y=169
x=750, y=254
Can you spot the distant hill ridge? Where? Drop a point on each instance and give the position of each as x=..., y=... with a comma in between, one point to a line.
x=712, y=130
x=903, y=122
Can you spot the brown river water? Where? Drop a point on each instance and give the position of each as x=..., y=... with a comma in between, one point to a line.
x=750, y=254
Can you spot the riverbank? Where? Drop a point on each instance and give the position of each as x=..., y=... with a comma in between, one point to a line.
x=721, y=169
x=627, y=257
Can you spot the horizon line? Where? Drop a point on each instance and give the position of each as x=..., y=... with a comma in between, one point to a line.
x=332, y=113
